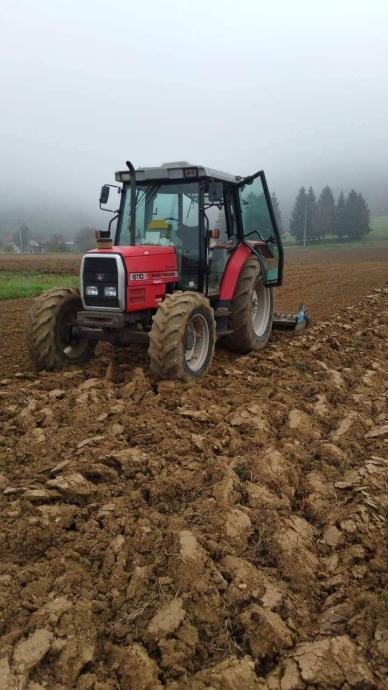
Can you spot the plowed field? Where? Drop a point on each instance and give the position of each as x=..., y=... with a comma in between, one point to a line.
x=226, y=535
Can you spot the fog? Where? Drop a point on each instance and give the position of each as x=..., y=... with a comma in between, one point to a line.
x=299, y=89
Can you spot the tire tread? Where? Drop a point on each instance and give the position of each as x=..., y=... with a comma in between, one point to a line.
x=242, y=338
x=166, y=338
x=41, y=325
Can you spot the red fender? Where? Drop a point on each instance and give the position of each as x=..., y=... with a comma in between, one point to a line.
x=232, y=271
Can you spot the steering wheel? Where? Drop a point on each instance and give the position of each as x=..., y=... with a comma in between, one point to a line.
x=170, y=218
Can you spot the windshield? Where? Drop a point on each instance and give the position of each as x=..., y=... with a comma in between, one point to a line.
x=167, y=215
x=164, y=212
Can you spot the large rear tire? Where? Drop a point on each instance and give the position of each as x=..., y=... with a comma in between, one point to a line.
x=51, y=344
x=182, y=337
x=252, y=311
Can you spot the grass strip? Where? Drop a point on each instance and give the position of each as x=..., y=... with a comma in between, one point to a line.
x=14, y=285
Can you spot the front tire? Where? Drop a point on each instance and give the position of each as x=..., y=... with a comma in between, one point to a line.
x=50, y=343
x=252, y=311
x=182, y=337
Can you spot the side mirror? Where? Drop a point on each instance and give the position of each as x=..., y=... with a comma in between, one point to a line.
x=104, y=195
x=216, y=192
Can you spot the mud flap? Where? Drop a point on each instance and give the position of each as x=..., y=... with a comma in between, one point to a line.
x=292, y=322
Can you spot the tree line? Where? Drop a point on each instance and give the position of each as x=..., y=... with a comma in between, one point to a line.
x=313, y=219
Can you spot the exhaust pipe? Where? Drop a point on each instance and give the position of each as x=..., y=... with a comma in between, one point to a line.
x=132, y=179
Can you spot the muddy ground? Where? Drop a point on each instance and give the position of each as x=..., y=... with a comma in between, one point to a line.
x=46, y=263
x=226, y=535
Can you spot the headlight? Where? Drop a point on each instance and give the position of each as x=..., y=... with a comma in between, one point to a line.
x=92, y=290
x=110, y=292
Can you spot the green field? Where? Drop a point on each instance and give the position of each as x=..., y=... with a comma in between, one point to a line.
x=379, y=227
x=31, y=283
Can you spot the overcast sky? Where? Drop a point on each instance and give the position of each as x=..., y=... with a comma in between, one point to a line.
x=297, y=88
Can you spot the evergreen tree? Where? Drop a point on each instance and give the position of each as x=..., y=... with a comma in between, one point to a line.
x=325, y=213
x=351, y=214
x=364, y=216
x=340, y=216
x=311, y=215
x=356, y=221
x=276, y=208
x=298, y=215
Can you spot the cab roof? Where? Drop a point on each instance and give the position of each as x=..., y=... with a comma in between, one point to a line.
x=176, y=170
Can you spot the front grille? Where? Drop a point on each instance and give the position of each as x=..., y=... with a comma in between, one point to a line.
x=101, y=272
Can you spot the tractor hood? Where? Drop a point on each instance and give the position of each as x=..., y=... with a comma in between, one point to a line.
x=138, y=274
x=138, y=250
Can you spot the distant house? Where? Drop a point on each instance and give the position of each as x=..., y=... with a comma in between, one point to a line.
x=35, y=247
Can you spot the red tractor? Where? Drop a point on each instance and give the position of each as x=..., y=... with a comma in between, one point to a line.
x=196, y=255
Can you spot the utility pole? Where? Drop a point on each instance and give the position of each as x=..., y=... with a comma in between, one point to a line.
x=305, y=226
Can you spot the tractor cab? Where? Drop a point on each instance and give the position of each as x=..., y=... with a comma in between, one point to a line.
x=203, y=214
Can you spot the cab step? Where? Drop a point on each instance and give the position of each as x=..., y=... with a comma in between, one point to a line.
x=221, y=315
x=220, y=312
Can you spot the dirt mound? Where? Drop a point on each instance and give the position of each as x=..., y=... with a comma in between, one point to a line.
x=226, y=534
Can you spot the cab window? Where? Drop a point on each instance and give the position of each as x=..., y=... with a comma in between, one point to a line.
x=256, y=220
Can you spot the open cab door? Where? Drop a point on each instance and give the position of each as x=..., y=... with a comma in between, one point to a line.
x=258, y=227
